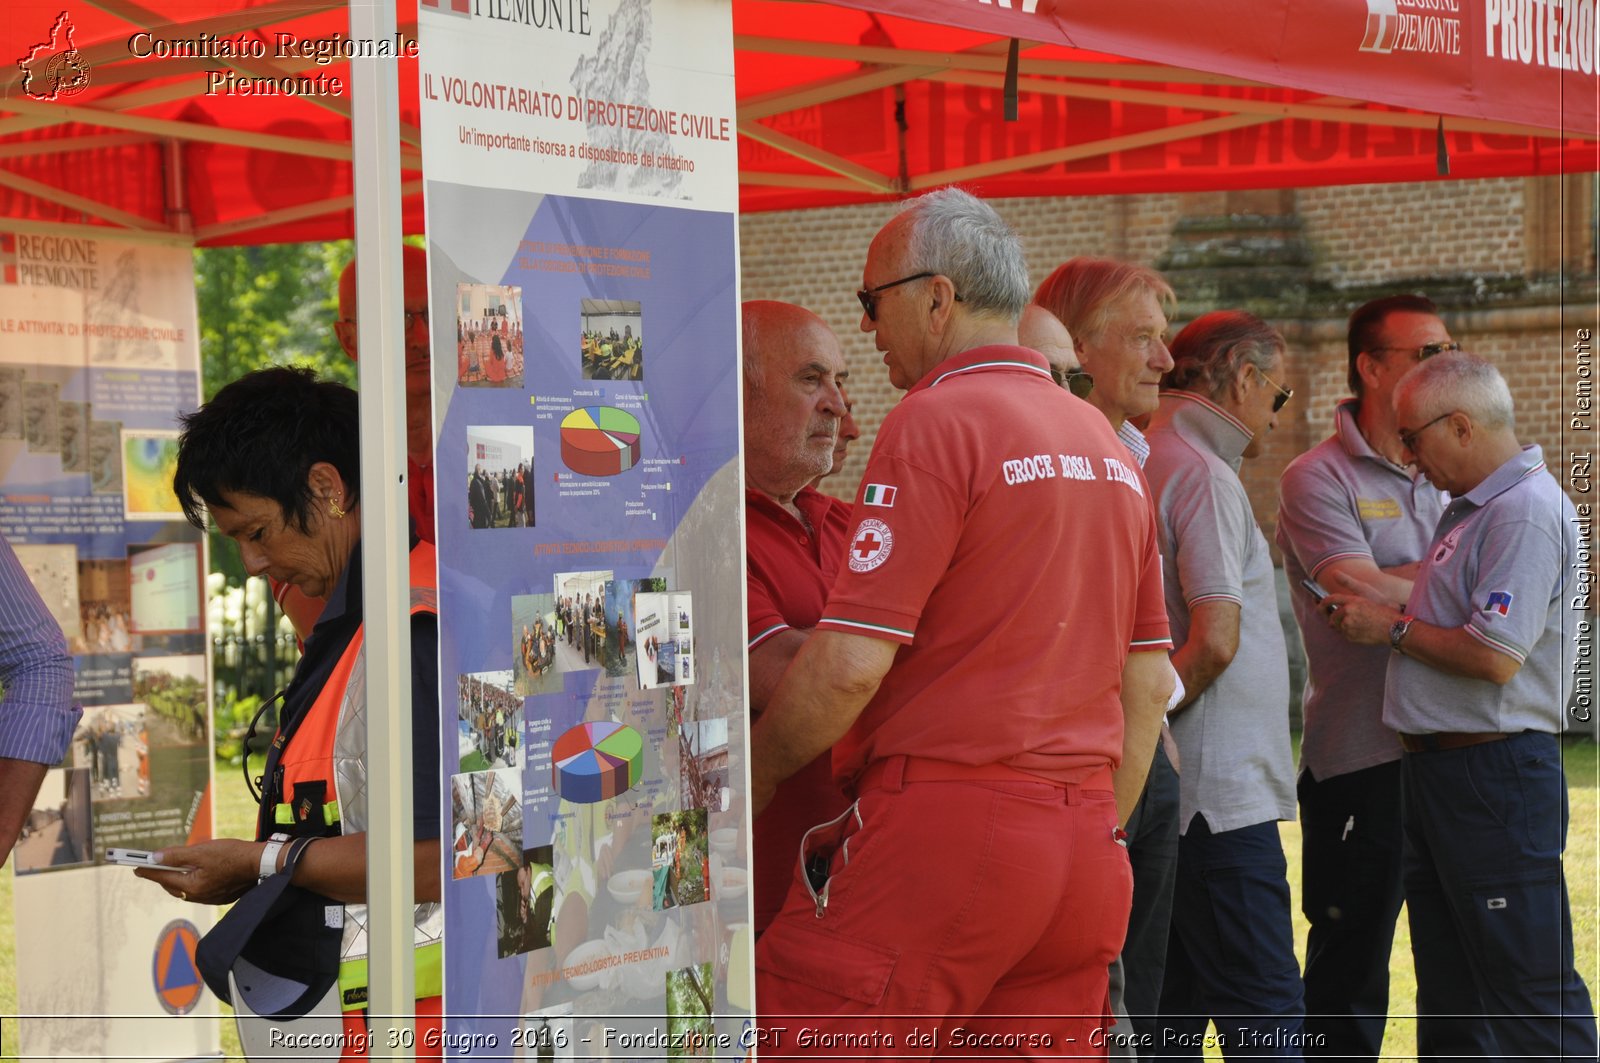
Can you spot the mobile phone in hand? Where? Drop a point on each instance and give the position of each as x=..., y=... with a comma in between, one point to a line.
x=137, y=858
x=1314, y=589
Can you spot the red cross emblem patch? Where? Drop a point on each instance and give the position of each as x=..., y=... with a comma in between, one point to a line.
x=870, y=545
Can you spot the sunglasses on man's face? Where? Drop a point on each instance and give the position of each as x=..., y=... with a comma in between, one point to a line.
x=1426, y=351
x=1076, y=381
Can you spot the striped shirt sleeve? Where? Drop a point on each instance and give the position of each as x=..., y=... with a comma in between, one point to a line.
x=37, y=713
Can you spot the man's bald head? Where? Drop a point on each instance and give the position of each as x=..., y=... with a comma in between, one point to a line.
x=1042, y=331
x=792, y=399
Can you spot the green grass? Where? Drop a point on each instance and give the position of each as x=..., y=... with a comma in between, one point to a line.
x=236, y=817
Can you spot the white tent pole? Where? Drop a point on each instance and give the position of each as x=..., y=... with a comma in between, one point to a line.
x=375, y=152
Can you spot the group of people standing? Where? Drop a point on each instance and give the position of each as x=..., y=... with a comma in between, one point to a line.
x=500, y=500
x=584, y=622
x=1050, y=627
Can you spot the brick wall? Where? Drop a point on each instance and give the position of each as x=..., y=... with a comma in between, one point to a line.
x=1497, y=254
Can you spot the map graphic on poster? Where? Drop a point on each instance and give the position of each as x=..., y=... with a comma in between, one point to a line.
x=92, y=379
x=592, y=172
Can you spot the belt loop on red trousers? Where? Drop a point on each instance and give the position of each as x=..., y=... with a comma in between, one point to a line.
x=893, y=777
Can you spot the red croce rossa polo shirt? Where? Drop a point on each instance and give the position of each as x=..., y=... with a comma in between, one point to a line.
x=1002, y=535
x=790, y=574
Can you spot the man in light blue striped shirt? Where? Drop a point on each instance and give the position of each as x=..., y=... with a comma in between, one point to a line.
x=37, y=714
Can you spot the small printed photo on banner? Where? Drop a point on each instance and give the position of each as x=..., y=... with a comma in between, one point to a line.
x=165, y=582
x=40, y=408
x=534, y=644
x=488, y=336
x=691, y=1003
x=73, y=418
x=486, y=822
x=500, y=476
x=59, y=830
x=680, y=859
x=525, y=903
x=489, y=722
x=703, y=764
x=174, y=690
x=621, y=622
x=586, y=634
x=105, y=608
x=105, y=457
x=665, y=639
x=53, y=570
x=149, y=459
x=612, y=339
x=11, y=379
x=548, y=1036
x=112, y=743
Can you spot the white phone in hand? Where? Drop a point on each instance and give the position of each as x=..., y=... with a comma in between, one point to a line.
x=138, y=858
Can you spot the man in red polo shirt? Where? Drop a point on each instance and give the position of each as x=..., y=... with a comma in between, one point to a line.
x=794, y=543
x=998, y=621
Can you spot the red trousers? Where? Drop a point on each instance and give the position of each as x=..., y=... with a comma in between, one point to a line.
x=972, y=918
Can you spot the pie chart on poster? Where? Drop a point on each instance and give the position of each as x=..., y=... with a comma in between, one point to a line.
x=597, y=761
x=599, y=441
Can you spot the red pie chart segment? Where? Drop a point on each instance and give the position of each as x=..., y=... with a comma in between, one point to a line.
x=599, y=441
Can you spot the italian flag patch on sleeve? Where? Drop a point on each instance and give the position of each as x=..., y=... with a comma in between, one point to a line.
x=878, y=495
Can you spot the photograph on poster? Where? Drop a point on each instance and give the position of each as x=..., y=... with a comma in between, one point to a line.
x=548, y=1036
x=59, y=830
x=680, y=859
x=73, y=424
x=665, y=639
x=104, y=607
x=585, y=634
x=174, y=690
x=690, y=1005
x=486, y=822
x=525, y=904
x=619, y=596
x=500, y=476
x=533, y=645
x=105, y=457
x=40, y=402
x=488, y=336
x=113, y=744
x=489, y=725
x=612, y=339
x=11, y=379
x=149, y=458
x=53, y=570
x=703, y=764
x=165, y=588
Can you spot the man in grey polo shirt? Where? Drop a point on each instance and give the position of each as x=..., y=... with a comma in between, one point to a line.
x=1482, y=665
x=1116, y=317
x=1349, y=510
x=1231, y=951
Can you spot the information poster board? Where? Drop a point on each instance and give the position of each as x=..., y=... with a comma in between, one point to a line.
x=98, y=357
x=581, y=199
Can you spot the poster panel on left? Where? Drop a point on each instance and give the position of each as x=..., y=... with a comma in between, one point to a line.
x=98, y=358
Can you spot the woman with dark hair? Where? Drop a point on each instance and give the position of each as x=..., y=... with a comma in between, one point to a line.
x=273, y=461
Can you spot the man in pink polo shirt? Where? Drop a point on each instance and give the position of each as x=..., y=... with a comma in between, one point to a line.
x=973, y=673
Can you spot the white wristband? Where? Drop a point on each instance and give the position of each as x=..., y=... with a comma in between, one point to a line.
x=269, y=856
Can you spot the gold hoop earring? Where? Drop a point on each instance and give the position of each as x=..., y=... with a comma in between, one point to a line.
x=334, y=509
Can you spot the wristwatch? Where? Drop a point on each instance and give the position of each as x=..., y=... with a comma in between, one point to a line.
x=1398, y=629
x=269, y=856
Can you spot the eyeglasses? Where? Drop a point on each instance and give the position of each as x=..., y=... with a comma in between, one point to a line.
x=1408, y=438
x=1076, y=381
x=1427, y=350
x=869, y=296
x=1284, y=394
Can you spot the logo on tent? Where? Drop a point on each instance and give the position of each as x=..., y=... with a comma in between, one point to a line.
x=8, y=258
x=450, y=7
x=1383, y=26
x=54, y=68
x=172, y=967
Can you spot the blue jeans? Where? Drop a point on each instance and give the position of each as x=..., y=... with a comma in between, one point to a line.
x=1491, y=931
x=1350, y=894
x=1230, y=956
